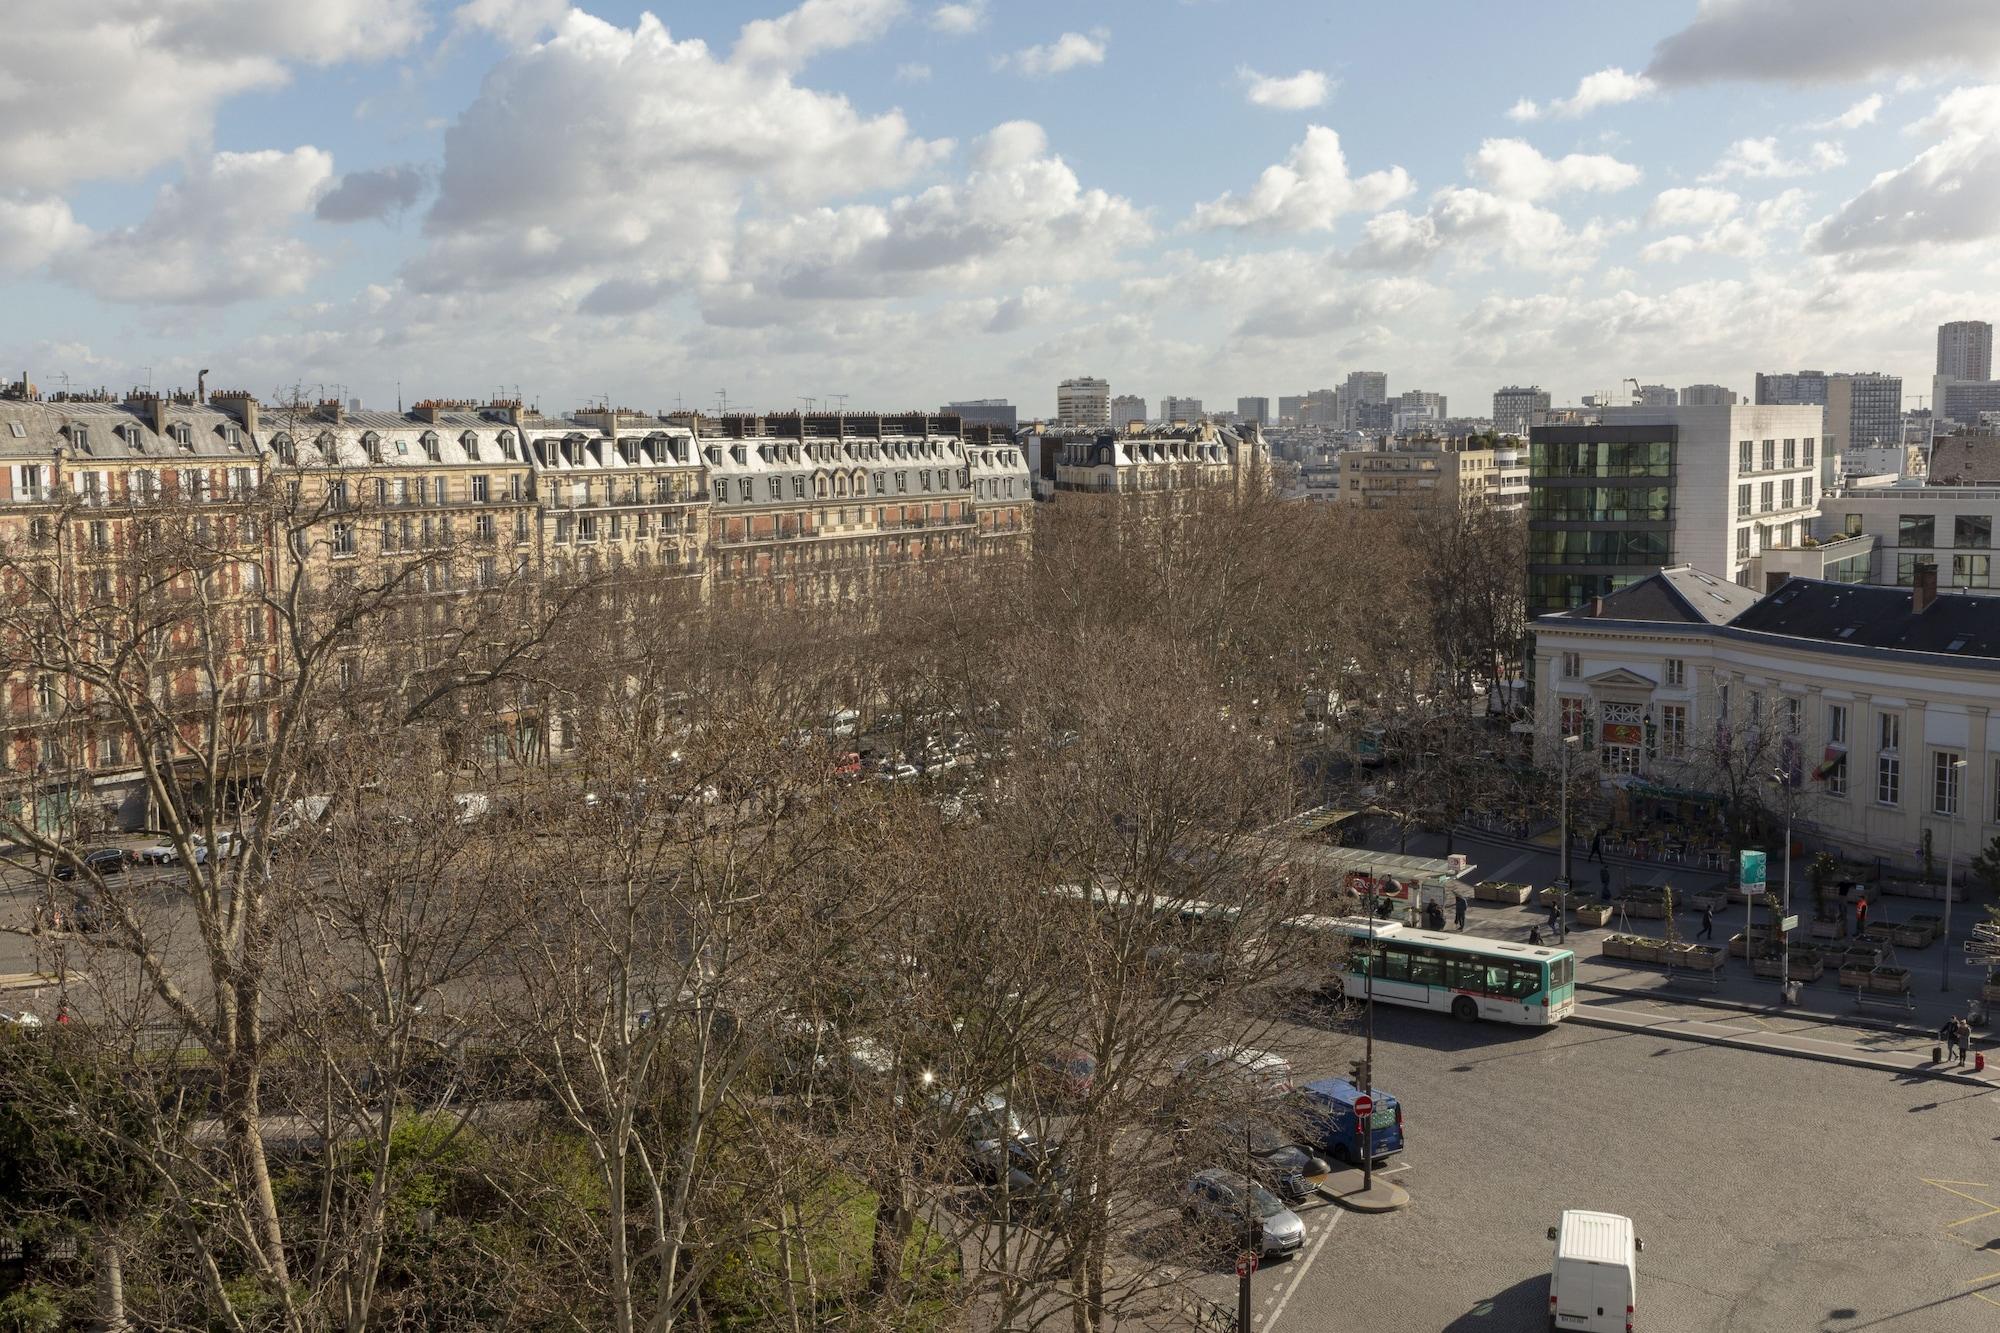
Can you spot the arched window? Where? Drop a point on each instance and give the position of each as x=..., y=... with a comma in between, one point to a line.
x=371, y=444
x=287, y=452
x=430, y=443
x=325, y=446
x=840, y=483
x=507, y=445
x=819, y=485
x=470, y=443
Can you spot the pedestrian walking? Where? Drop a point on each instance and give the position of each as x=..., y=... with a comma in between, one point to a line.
x=1962, y=1036
x=1604, y=881
x=1860, y=915
x=1555, y=912
x=1534, y=935
x=1707, y=931
x=1948, y=1034
x=1596, y=847
x=1458, y=909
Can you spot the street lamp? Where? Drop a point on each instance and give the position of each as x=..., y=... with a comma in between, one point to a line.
x=1562, y=883
x=1783, y=779
x=1951, y=817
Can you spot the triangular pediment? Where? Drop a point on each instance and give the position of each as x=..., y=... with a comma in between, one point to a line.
x=1618, y=678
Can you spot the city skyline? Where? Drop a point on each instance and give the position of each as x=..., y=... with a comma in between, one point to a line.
x=396, y=194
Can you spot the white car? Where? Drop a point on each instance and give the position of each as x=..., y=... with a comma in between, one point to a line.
x=1266, y=1073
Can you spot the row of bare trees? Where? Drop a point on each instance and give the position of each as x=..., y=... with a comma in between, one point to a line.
x=678, y=1024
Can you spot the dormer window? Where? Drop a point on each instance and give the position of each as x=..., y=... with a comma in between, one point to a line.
x=470, y=443
x=371, y=443
x=507, y=445
x=183, y=434
x=430, y=443
x=79, y=437
x=325, y=445
x=286, y=451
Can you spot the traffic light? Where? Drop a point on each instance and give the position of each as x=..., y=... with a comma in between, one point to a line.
x=1357, y=1074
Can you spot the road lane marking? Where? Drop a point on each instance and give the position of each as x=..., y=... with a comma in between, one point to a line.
x=1300, y=1276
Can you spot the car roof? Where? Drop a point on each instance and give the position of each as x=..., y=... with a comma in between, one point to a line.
x=1341, y=1090
x=1594, y=1237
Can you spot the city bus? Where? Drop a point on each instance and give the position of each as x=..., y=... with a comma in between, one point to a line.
x=1467, y=976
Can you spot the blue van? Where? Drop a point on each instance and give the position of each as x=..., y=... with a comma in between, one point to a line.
x=1326, y=1107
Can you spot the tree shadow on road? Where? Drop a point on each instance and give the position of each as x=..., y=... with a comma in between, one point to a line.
x=1523, y=1305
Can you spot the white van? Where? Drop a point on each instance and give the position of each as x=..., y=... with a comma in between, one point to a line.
x=1594, y=1282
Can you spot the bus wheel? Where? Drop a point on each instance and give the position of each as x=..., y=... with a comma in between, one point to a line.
x=1464, y=1010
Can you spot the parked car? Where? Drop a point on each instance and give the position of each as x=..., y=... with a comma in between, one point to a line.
x=1594, y=1278
x=1277, y=1161
x=166, y=854
x=1222, y=1202
x=1265, y=1073
x=1326, y=1110
x=1025, y=1174
x=81, y=915
x=1065, y=1076
x=102, y=860
x=23, y=1019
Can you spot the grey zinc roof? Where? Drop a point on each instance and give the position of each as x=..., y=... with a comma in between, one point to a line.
x=113, y=431
x=1871, y=616
x=1679, y=594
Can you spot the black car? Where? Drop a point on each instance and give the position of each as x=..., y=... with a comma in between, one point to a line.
x=1278, y=1163
x=1021, y=1173
x=81, y=916
x=103, y=860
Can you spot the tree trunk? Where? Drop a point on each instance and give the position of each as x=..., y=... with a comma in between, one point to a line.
x=111, y=1283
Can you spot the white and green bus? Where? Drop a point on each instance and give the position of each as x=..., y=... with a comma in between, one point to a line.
x=1467, y=976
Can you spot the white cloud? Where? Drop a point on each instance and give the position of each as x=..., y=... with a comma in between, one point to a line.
x=205, y=242
x=1019, y=216
x=1760, y=159
x=1072, y=50
x=1723, y=230
x=1607, y=87
x=113, y=88
x=1515, y=168
x=792, y=39
x=1475, y=225
x=913, y=71
x=959, y=19
x=1826, y=41
x=662, y=114
x=1949, y=194
x=1308, y=191
x=1692, y=206
x=364, y=196
x=34, y=230
x=1861, y=113
x=516, y=22
x=1296, y=92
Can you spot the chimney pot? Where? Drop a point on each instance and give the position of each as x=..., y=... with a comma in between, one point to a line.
x=1923, y=586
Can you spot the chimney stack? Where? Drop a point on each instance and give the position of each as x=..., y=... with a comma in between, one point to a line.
x=201, y=387
x=1923, y=586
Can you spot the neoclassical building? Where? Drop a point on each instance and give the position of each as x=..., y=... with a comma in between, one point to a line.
x=1881, y=701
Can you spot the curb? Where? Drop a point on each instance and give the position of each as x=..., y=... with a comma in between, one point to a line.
x=1471, y=834
x=1765, y=1048
x=1762, y=1011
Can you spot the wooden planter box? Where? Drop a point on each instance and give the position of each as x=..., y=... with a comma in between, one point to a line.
x=1856, y=974
x=1512, y=895
x=1646, y=909
x=1648, y=951
x=1767, y=967
x=1927, y=921
x=1889, y=981
x=1593, y=914
x=1702, y=958
x=1883, y=931
x=1825, y=930
x=1809, y=968
x=1991, y=990
x=1617, y=946
x=1715, y=900
x=1911, y=936
x=1862, y=955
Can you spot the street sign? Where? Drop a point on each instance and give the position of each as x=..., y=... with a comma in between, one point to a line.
x=1750, y=871
x=1246, y=1264
x=1789, y=924
x=1979, y=951
x=1364, y=1108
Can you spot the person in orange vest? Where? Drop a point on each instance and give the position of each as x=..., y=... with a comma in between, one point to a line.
x=1860, y=914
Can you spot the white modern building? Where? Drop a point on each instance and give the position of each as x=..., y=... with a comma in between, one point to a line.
x=1882, y=702
x=1615, y=500
x=1174, y=409
x=1084, y=402
x=1127, y=408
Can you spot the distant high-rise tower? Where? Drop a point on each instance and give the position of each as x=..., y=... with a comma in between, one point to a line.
x=1965, y=350
x=1363, y=387
x=1514, y=408
x=1862, y=411
x=1657, y=395
x=1254, y=411
x=1793, y=387
x=1707, y=395
x=1084, y=402
x=1174, y=409
x=1127, y=408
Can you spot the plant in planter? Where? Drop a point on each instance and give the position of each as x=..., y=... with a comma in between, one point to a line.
x=1821, y=873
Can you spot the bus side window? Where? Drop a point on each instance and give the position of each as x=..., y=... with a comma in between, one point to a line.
x=1465, y=973
x=1499, y=978
x=1527, y=980
x=1395, y=964
x=1426, y=967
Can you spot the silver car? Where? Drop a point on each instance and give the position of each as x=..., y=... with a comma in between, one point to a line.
x=1216, y=1199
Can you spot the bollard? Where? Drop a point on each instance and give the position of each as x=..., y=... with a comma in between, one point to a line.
x=1979, y=1062
x=1937, y=1055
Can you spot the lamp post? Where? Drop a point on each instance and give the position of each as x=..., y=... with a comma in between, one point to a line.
x=1951, y=818
x=1779, y=776
x=1562, y=883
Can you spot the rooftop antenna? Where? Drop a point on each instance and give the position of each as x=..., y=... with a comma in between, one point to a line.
x=810, y=403
x=149, y=379
x=63, y=375
x=399, y=398
x=722, y=402
x=841, y=399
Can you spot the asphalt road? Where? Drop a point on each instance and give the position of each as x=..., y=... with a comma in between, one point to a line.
x=1772, y=1194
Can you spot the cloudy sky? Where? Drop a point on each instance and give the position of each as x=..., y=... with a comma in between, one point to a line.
x=905, y=201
